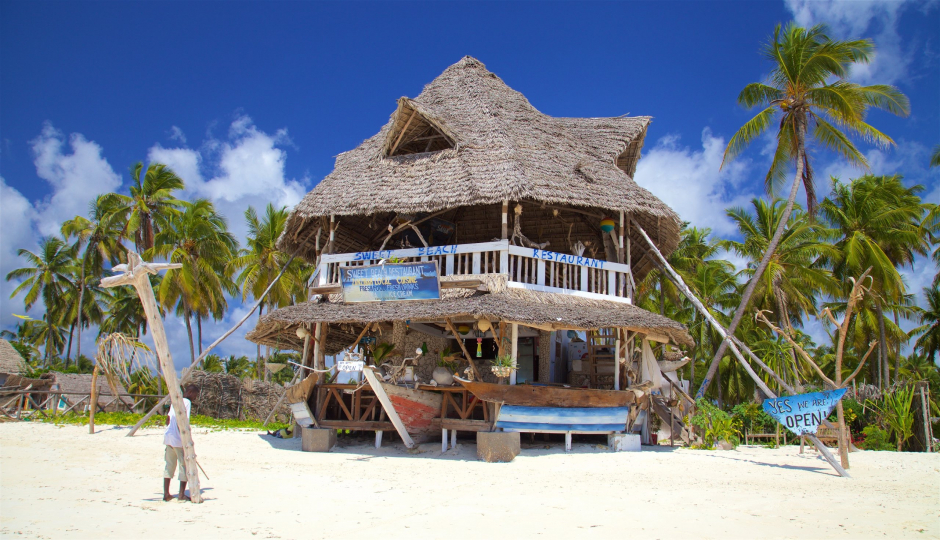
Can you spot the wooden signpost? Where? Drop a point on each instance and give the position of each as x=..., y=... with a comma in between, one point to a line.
x=137, y=273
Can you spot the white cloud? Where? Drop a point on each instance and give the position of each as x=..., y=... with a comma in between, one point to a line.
x=75, y=178
x=176, y=134
x=877, y=19
x=17, y=233
x=692, y=182
x=246, y=169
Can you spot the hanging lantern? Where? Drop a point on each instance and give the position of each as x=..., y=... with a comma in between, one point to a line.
x=607, y=225
x=463, y=329
x=484, y=325
x=479, y=347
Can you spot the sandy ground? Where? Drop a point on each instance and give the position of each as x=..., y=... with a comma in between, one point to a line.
x=60, y=482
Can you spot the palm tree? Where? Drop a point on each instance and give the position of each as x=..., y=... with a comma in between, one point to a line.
x=879, y=225
x=199, y=239
x=261, y=261
x=807, y=88
x=794, y=276
x=935, y=156
x=48, y=276
x=150, y=204
x=101, y=238
x=928, y=343
x=124, y=313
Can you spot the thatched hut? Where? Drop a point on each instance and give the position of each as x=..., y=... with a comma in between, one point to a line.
x=534, y=223
x=11, y=363
x=76, y=387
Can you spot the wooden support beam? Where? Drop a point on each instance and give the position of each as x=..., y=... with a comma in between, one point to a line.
x=138, y=274
x=389, y=408
x=450, y=326
x=402, y=133
x=731, y=345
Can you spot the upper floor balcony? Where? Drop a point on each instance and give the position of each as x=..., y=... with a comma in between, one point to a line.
x=527, y=268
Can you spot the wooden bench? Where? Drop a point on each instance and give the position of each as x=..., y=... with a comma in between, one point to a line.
x=517, y=418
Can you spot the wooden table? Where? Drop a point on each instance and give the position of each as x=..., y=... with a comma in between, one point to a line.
x=457, y=409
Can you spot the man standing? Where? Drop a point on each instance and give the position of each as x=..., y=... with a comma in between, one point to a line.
x=174, y=446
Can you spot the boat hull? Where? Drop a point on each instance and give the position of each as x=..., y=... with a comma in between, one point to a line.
x=548, y=396
x=416, y=408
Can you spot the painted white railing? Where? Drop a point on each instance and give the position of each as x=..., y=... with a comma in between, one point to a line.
x=528, y=268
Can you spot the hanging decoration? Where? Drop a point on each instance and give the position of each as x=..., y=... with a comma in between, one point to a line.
x=607, y=225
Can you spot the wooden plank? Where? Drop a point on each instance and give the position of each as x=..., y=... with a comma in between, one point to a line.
x=453, y=249
x=573, y=292
x=389, y=408
x=361, y=426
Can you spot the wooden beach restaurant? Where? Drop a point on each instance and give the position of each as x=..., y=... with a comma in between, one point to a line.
x=476, y=264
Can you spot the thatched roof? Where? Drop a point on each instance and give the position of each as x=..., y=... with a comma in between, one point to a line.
x=277, y=329
x=468, y=140
x=10, y=361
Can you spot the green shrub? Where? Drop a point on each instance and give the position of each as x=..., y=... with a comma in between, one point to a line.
x=875, y=438
x=717, y=424
x=158, y=420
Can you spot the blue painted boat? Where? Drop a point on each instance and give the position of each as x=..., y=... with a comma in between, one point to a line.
x=562, y=420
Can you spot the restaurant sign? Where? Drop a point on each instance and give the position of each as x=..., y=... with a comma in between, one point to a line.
x=803, y=413
x=391, y=282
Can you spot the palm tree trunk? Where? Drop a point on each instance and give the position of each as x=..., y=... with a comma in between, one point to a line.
x=189, y=330
x=68, y=351
x=78, y=315
x=199, y=331
x=765, y=261
x=258, y=360
x=897, y=351
x=884, y=376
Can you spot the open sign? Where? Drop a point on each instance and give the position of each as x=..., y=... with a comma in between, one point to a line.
x=346, y=365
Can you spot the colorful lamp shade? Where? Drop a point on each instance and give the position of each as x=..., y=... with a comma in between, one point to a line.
x=607, y=225
x=464, y=329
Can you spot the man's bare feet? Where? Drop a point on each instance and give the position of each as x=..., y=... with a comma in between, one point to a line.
x=183, y=497
x=167, y=497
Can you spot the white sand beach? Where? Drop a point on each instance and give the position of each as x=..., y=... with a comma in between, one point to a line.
x=61, y=482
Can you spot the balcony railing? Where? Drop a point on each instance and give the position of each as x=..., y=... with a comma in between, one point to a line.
x=527, y=268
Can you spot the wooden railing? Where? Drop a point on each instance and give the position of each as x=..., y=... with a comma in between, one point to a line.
x=527, y=268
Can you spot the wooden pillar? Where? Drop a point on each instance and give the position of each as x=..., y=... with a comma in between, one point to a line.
x=620, y=258
x=93, y=400
x=617, y=352
x=317, y=351
x=505, y=219
x=515, y=351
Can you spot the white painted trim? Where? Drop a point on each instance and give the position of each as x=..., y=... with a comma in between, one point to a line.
x=587, y=262
x=583, y=294
x=433, y=251
x=515, y=351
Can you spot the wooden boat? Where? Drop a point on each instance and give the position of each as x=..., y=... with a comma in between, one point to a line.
x=549, y=396
x=416, y=408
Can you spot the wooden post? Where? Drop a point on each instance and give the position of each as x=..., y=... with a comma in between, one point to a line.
x=620, y=246
x=505, y=219
x=317, y=350
x=137, y=273
x=617, y=355
x=389, y=408
x=93, y=400
x=515, y=351
x=928, y=438
x=473, y=367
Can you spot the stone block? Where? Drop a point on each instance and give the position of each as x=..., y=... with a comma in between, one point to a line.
x=624, y=442
x=497, y=446
x=317, y=440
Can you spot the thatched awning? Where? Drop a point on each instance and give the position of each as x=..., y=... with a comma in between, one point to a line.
x=469, y=140
x=538, y=309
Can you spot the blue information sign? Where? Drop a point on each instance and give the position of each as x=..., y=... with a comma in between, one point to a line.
x=391, y=282
x=803, y=413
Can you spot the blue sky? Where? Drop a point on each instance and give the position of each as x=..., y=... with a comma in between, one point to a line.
x=251, y=101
